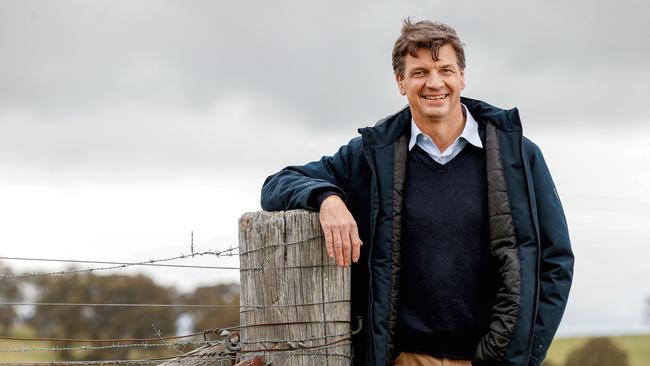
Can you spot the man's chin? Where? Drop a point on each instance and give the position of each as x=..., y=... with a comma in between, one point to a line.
x=436, y=113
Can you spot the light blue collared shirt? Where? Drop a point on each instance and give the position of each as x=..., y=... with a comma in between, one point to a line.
x=469, y=134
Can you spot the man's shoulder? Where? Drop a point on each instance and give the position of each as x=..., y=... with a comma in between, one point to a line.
x=388, y=129
x=531, y=148
x=355, y=144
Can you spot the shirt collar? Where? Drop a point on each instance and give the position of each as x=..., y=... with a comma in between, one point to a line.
x=470, y=131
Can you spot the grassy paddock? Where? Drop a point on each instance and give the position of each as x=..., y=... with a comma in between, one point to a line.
x=36, y=356
x=637, y=348
x=47, y=356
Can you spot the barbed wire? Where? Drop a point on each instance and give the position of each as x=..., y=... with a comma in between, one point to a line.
x=295, y=347
x=118, y=362
x=239, y=327
x=290, y=267
x=72, y=363
x=112, y=265
x=120, y=265
x=303, y=347
x=240, y=306
x=298, y=343
x=158, y=333
x=281, y=244
x=96, y=348
x=125, y=305
x=75, y=340
x=220, y=355
x=260, y=307
x=195, y=334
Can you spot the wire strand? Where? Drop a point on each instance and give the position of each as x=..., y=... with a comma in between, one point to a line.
x=259, y=307
x=95, y=348
x=74, y=340
x=291, y=267
x=119, y=265
x=124, y=305
x=145, y=361
x=298, y=342
x=281, y=244
x=212, y=356
x=305, y=347
x=239, y=327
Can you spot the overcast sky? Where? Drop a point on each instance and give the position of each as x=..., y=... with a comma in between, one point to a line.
x=124, y=125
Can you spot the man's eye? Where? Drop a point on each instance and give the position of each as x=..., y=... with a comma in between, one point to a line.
x=417, y=74
x=447, y=71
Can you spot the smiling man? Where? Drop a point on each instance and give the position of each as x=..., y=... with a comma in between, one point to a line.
x=461, y=246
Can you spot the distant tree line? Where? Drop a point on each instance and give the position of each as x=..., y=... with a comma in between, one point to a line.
x=600, y=351
x=89, y=322
x=97, y=322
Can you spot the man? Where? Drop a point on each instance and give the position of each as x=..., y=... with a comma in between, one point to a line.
x=462, y=249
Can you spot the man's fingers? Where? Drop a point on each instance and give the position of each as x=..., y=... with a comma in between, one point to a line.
x=356, y=244
x=329, y=241
x=346, y=246
x=340, y=230
x=338, y=247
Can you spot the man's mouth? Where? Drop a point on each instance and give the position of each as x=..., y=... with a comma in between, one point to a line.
x=435, y=97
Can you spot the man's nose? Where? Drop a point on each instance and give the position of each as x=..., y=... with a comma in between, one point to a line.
x=434, y=81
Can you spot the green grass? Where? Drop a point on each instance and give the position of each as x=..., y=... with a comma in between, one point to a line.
x=36, y=356
x=47, y=356
x=637, y=348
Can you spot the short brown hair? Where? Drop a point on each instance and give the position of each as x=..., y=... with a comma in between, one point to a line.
x=425, y=34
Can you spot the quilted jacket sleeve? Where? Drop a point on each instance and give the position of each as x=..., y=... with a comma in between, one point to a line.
x=297, y=187
x=556, y=262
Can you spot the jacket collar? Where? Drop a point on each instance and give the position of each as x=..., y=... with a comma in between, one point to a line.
x=506, y=120
x=387, y=130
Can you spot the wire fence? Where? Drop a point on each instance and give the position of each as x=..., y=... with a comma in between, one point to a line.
x=96, y=348
x=212, y=359
x=113, y=265
x=203, y=342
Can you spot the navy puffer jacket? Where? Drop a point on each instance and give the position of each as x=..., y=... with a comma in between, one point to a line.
x=528, y=233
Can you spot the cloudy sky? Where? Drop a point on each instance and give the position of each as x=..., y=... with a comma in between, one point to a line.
x=126, y=125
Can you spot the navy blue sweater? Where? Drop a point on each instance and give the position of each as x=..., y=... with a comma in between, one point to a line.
x=447, y=280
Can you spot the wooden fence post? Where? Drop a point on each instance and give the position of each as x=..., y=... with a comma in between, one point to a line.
x=295, y=307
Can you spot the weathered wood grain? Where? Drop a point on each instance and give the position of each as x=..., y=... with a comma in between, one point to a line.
x=295, y=301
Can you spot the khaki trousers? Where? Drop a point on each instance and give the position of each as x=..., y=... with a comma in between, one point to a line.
x=416, y=359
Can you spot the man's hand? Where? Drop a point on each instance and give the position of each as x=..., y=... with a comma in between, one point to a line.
x=340, y=229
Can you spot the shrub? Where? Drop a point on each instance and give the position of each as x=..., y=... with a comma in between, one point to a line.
x=598, y=352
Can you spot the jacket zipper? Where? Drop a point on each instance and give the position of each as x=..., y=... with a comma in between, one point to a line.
x=537, y=237
x=373, y=221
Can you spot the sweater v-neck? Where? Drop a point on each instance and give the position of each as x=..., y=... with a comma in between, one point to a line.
x=430, y=163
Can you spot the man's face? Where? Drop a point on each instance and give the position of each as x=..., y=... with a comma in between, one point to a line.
x=433, y=87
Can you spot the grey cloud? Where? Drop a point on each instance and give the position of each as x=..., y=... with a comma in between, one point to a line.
x=330, y=63
x=144, y=142
x=313, y=68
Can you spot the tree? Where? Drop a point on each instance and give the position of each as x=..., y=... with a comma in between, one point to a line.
x=598, y=352
x=218, y=317
x=91, y=322
x=9, y=292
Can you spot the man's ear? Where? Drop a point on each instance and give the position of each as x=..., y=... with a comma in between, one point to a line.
x=400, y=81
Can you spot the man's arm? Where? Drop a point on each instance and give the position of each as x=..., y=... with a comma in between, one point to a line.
x=556, y=262
x=321, y=185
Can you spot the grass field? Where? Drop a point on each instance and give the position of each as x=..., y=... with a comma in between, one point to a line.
x=36, y=356
x=637, y=348
x=31, y=354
